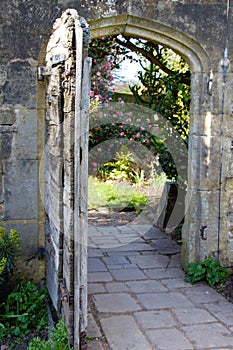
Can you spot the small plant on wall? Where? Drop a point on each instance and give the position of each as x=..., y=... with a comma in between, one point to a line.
x=9, y=247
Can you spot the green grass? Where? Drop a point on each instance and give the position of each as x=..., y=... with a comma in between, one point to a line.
x=101, y=194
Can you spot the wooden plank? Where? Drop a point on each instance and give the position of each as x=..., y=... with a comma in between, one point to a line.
x=84, y=190
x=79, y=59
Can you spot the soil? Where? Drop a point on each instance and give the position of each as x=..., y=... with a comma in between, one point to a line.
x=25, y=341
x=118, y=218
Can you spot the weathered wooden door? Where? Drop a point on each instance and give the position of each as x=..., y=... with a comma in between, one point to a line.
x=68, y=76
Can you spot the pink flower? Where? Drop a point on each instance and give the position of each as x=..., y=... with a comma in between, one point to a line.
x=138, y=134
x=128, y=120
x=138, y=120
x=142, y=128
x=113, y=124
x=122, y=133
x=148, y=120
x=98, y=73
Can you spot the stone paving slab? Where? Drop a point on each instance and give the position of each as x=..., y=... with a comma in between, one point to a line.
x=99, y=277
x=123, y=333
x=223, y=311
x=93, y=329
x=169, y=338
x=134, y=246
x=96, y=265
x=128, y=274
x=115, y=260
x=115, y=303
x=193, y=316
x=155, y=319
x=116, y=287
x=203, y=294
x=144, y=262
x=141, y=301
x=175, y=283
x=94, y=253
x=209, y=336
x=96, y=288
x=164, y=273
x=155, y=233
x=147, y=286
x=175, y=261
x=152, y=301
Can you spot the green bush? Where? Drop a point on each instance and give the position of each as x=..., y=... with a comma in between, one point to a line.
x=120, y=168
x=23, y=311
x=58, y=341
x=208, y=270
x=9, y=247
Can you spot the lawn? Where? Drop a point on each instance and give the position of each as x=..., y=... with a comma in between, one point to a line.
x=117, y=194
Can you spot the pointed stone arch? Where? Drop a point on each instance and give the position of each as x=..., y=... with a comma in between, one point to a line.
x=184, y=45
x=200, y=65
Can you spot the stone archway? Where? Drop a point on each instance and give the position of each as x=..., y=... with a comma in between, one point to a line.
x=200, y=66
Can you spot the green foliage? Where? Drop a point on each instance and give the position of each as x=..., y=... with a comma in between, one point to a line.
x=57, y=341
x=164, y=87
x=208, y=270
x=9, y=247
x=39, y=344
x=102, y=194
x=23, y=311
x=159, y=180
x=139, y=177
x=119, y=168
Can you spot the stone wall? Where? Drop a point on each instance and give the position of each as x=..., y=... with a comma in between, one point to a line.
x=196, y=30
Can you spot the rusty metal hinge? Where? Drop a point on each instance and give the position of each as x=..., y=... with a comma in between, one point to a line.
x=42, y=71
x=57, y=58
x=64, y=292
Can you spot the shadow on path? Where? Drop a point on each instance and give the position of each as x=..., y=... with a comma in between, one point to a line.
x=138, y=298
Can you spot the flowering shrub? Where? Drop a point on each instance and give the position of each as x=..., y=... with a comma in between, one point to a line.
x=118, y=121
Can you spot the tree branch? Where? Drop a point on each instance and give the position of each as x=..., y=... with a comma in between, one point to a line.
x=129, y=45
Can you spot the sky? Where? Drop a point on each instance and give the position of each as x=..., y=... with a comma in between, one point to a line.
x=128, y=71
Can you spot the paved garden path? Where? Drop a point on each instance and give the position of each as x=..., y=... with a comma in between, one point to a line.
x=138, y=299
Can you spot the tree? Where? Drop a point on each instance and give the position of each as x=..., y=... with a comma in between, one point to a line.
x=163, y=87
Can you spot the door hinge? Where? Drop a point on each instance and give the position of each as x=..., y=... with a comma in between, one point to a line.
x=64, y=292
x=54, y=59
x=42, y=71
